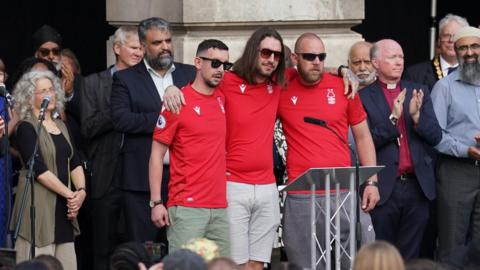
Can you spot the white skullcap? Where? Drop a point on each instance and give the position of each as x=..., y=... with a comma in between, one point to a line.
x=468, y=31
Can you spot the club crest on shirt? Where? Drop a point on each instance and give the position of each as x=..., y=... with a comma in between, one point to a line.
x=197, y=109
x=161, y=122
x=294, y=100
x=331, y=97
x=242, y=88
x=269, y=88
x=220, y=102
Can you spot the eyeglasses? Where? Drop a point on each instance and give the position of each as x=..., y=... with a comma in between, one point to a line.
x=312, y=56
x=267, y=53
x=44, y=91
x=46, y=52
x=464, y=48
x=446, y=37
x=215, y=63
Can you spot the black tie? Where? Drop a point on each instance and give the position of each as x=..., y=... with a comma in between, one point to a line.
x=451, y=69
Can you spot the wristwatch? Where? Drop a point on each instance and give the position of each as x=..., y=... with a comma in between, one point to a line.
x=371, y=183
x=393, y=119
x=152, y=204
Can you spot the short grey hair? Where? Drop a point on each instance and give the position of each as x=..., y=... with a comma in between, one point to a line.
x=152, y=23
x=123, y=33
x=452, y=18
x=374, y=51
x=24, y=91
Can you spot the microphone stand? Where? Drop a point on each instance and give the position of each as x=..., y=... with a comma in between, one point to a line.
x=30, y=181
x=358, y=225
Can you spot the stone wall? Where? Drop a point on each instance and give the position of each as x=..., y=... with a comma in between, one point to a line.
x=233, y=21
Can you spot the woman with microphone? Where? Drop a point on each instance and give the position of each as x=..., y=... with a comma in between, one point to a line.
x=58, y=175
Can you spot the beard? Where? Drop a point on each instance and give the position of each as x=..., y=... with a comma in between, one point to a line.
x=214, y=81
x=310, y=76
x=159, y=62
x=469, y=72
x=366, y=78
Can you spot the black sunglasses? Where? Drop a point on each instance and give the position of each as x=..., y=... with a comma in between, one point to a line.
x=267, y=53
x=215, y=63
x=312, y=56
x=46, y=52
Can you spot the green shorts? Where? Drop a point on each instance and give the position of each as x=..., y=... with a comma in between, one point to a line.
x=187, y=223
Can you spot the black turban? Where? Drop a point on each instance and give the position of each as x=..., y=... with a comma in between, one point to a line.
x=45, y=34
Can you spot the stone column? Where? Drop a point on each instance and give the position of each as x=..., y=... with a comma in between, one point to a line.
x=233, y=21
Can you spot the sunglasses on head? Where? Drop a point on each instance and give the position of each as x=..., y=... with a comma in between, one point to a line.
x=46, y=52
x=267, y=53
x=215, y=63
x=312, y=56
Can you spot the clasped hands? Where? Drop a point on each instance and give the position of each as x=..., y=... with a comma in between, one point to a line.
x=74, y=203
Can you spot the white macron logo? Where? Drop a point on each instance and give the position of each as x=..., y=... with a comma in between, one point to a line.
x=242, y=88
x=197, y=109
x=294, y=100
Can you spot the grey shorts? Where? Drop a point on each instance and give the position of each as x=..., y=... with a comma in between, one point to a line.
x=254, y=215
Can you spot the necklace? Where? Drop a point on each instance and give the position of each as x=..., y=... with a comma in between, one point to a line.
x=438, y=69
x=51, y=127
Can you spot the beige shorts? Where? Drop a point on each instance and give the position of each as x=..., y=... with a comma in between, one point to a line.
x=254, y=215
x=65, y=252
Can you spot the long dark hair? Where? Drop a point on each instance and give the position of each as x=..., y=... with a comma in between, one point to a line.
x=245, y=66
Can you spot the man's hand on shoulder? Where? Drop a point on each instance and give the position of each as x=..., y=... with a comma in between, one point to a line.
x=173, y=99
x=350, y=81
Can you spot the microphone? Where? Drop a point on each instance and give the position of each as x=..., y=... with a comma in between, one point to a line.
x=4, y=93
x=43, y=108
x=322, y=123
x=315, y=121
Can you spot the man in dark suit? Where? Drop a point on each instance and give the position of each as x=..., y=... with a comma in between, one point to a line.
x=429, y=72
x=404, y=130
x=104, y=142
x=135, y=105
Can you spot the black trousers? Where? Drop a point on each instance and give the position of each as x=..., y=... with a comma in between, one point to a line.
x=402, y=219
x=458, y=202
x=140, y=227
x=105, y=217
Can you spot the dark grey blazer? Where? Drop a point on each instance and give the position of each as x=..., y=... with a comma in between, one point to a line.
x=103, y=142
x=135, y=109
x=422, y=73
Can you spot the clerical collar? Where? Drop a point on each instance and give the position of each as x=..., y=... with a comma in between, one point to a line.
x=389, y=86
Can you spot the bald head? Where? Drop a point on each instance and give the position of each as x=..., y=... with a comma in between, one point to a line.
x=306, y=38
x=360, y=64
x=309, y=55
x=359, y=48
x=387, y=59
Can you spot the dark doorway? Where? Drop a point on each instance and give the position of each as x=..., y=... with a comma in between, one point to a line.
x=81, y=23
x=408, y=22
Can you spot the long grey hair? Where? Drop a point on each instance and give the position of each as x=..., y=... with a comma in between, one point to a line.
x=23, y=93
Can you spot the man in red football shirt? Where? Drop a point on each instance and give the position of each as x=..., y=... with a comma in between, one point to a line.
x=315, y=93
x=196, y=140
x=252, y=92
